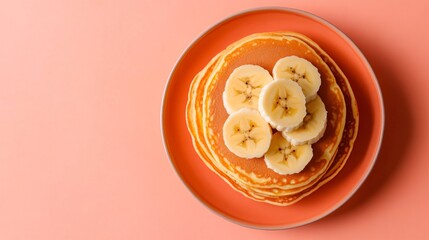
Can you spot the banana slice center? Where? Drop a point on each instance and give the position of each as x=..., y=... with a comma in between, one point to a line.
x=287, y=153
x=295, y=76
x=249, y=90
x=246, y=131
x=282, y=101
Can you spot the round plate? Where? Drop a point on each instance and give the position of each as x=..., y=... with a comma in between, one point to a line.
x=210, y=189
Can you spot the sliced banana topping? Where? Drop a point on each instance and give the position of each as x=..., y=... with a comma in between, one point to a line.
x=284, y=158
x=301, y=71
x=247, y=134
x=289, y=104
x=313, y=126
x=282, y=104
x=243, y=87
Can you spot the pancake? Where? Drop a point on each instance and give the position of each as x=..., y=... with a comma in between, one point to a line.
x=265, y=50
x=206, y=115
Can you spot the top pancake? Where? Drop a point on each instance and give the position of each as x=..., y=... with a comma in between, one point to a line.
x=206, y=115
x=264, y=50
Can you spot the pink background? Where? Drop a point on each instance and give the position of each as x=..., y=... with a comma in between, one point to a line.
x=81, y=155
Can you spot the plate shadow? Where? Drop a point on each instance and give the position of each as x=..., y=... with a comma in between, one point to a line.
x=397, y=137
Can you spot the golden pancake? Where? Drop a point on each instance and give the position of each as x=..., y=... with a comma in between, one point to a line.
x=264, y=50
x=205, y=117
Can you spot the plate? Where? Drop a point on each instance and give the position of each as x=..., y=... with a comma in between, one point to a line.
x=215, y=193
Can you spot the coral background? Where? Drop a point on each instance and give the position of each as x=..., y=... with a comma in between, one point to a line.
x=81, y=155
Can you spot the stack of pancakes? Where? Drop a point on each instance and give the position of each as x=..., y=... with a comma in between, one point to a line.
x=205, y=115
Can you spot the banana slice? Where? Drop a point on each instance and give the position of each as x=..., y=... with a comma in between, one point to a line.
x=301, y=71
x=282, y=104
x=243, y=87
x=284, y=158
x=246, y=134
x=313, y=127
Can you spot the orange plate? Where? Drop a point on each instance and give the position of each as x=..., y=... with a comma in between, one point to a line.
x=211, y=189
